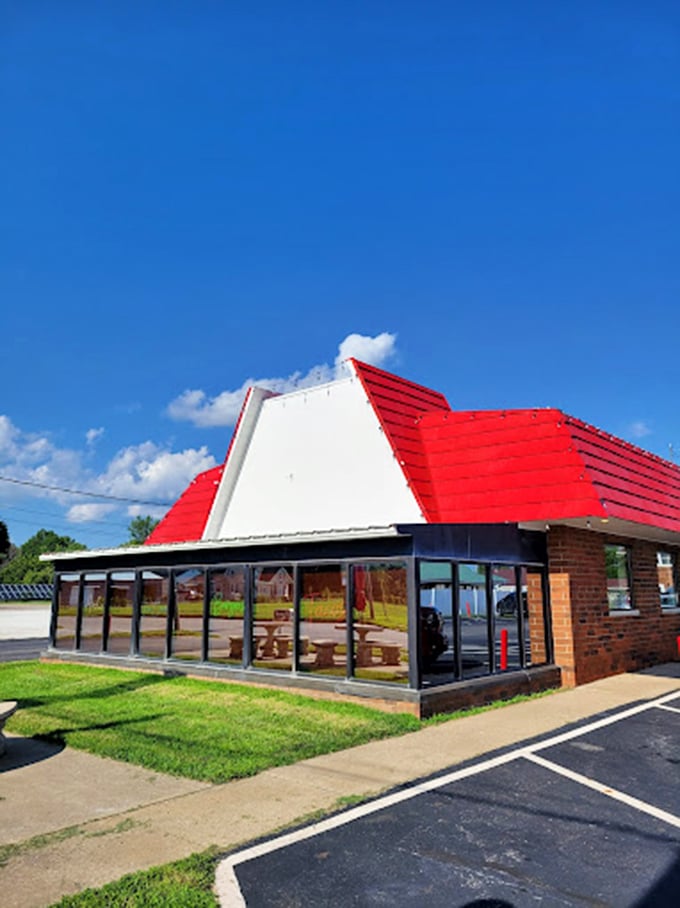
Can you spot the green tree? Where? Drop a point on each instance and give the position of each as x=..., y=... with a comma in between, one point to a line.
x=140, y=528
x=4, y=540
x=26, y=567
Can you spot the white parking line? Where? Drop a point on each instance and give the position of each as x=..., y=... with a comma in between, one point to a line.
x=227, y=885
x=671, y=709
x=606, y=790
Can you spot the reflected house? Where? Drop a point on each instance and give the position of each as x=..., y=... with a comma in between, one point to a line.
x=275, y=584
x=364, y=538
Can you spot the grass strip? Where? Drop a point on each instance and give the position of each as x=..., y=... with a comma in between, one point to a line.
x=7, y=852
x=204, y=730
x=183, y=884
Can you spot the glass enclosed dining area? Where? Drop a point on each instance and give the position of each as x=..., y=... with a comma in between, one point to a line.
x=411, y=619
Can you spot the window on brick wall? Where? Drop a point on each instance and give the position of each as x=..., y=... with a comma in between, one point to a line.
x=617, y=562
x=665, y=567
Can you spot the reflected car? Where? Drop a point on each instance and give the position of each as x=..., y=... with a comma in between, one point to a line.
x=433, y=640
x=507, y=606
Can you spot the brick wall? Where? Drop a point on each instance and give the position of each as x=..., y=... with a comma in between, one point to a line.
x=590, y=642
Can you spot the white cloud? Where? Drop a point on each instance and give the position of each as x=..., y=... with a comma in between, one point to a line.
x=147, y=471
x=373, y=350
x=639, y=429
x=93, y=435
x=197, y=407
x=84, y=513
x=151, y=472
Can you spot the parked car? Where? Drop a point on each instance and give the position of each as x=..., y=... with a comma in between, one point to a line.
x=507, y=606
x=433, y=640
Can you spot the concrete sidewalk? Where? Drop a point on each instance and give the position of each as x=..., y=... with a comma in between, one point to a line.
x=21, y=622
x=98, y=819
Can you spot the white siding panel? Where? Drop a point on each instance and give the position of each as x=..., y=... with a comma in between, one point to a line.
x=317, y=460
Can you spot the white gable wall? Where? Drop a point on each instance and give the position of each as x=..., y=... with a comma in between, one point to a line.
x=316, y=459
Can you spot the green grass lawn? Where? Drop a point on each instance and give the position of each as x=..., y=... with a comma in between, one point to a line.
x=203, y=730
x=183, y=884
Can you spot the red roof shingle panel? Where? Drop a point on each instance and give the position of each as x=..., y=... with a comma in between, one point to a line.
x=186, y=519
x=398, y=403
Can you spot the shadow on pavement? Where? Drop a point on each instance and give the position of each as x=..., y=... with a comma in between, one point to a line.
x=664, y=893
x=25, y=751
x=667, y=670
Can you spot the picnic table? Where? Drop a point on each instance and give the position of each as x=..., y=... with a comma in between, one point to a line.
x=364, y=655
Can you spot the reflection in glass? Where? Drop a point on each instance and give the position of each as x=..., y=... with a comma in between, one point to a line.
x=67, y=609
x=473, y=619
x=153, y=614
x=187, y=622
x=94, y=591
x=323, y=627
x=227, y=606
x=120, y=612
x=436, y=624
x=535, y=648
x=273, y=596
x=506, y=617
x=617, y=563
x=380, y=616
x=666, y=574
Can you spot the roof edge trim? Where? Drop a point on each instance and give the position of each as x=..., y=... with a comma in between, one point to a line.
x=236, y=455
x=232, y=542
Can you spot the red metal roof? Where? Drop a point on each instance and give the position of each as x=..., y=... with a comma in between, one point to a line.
x=398, y=403
x=491, y=466
x=525, y=465
x=186, y=519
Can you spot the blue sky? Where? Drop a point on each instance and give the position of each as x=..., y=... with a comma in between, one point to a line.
x=195, y=196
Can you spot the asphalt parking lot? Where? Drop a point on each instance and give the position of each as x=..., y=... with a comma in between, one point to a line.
x=589, y=816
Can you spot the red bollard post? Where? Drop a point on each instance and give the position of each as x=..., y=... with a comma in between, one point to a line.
x=678, y=642
x=504, y=648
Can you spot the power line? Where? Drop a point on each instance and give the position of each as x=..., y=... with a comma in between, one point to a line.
x=47, y=515
x=42, y=485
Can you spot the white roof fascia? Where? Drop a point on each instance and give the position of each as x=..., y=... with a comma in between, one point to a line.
x=237, y=455
x=350, y=533
x=612, y=526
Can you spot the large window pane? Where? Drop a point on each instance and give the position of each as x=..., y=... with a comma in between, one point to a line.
x=273, y=597
x=187, y=624
x=67, y=609
x=380, y=615
x=665, y=567
x=535, y=645
x=617, y=563
x=153, y=614
x=94, y=589
x=323, y=628
x=227, y=607
x=120, y=613
x=436, y=622
x=472, y=609
x=507, y=602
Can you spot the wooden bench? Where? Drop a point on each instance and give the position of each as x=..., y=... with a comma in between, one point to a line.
x=324, y=653
x=7, y=708
x=391, y=653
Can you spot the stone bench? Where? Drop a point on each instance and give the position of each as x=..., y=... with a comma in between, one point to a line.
x=391, y=653
x=235, y=646
x=7, y=708
x=284, y=642
x=324, y=653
